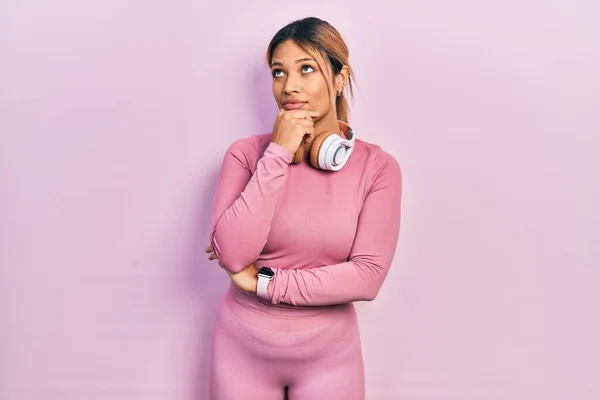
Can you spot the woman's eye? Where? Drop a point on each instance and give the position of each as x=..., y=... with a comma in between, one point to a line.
x=305, y=70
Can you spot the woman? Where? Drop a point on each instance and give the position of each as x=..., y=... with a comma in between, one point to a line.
x=305, y=222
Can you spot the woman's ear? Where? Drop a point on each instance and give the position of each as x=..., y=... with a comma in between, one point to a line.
x=341, y=79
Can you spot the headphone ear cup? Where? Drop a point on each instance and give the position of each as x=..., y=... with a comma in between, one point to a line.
x=316, y=148
x=299, y=155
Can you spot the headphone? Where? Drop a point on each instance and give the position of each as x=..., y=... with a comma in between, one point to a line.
x=330, y=151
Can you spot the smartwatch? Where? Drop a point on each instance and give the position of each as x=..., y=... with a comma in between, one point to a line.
x=265, y=275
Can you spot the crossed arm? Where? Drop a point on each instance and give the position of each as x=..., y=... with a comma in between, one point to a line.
x=244, y=206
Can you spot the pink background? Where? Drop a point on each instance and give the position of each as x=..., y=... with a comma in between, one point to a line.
x=115, y=116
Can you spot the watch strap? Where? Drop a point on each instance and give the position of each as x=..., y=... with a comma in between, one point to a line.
x=262, y=286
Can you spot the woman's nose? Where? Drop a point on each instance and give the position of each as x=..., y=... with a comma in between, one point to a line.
x=292, y=85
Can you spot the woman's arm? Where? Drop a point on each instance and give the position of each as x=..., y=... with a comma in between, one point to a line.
x=361, y=277
x=244, y=204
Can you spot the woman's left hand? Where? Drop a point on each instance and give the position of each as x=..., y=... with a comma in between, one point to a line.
x=246, y=279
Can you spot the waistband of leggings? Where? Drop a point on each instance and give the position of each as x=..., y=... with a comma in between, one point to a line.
x=282, y=318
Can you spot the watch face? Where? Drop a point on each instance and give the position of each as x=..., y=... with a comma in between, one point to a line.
x=267, y=272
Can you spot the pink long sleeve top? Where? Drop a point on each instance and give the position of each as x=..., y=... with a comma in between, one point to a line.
x=330, y=237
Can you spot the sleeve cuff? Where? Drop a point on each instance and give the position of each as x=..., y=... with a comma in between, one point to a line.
x=279, y=151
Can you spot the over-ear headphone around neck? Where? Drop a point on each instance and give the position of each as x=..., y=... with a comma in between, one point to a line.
x=330, y=150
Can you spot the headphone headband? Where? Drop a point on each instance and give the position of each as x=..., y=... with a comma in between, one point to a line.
x=347, y=131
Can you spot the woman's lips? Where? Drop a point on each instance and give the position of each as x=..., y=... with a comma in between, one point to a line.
x=294, y=106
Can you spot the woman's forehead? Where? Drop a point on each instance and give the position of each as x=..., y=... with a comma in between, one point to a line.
x=291, y=51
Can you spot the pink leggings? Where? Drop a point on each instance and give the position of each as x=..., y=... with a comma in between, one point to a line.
x=256, y=355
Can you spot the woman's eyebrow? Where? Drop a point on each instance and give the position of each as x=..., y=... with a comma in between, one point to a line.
x=278, y=63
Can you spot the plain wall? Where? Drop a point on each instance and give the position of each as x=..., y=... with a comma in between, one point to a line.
x=114, y=119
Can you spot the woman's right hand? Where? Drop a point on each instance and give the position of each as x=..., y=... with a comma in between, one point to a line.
x=294, y=128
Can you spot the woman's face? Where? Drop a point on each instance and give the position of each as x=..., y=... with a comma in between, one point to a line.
x=299, y=83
